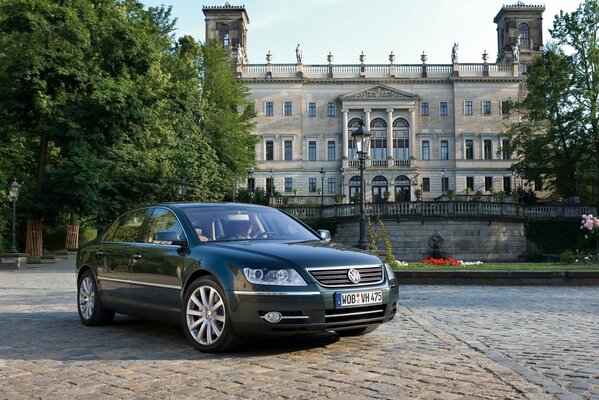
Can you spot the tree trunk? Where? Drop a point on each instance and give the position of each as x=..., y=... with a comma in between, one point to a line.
x=72, y=239
x=33, y=243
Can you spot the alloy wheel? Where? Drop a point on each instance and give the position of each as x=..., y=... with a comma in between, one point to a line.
x=87, y=298
x=205, y=315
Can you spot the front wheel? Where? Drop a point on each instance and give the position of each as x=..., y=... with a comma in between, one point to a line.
x=206, y=321
x=90, y=307
x=357, y=331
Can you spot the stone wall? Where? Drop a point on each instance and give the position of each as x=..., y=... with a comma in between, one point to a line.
x=463, y=239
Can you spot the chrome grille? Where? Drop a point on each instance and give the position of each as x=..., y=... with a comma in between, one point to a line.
x=338, y=276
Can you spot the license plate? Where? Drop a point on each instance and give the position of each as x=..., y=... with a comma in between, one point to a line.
x=347, y=299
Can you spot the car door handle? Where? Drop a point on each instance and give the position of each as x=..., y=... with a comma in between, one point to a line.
x=99, y=253
x=136, y=256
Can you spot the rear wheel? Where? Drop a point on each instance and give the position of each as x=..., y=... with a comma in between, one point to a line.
x=206, y=320
x=357, y=331
x=90, y=307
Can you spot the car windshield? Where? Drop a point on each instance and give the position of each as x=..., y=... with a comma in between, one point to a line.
x=220, y=223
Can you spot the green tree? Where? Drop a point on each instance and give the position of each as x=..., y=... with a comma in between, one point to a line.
x=559, y=135
x=101, y=108
x=228, y=114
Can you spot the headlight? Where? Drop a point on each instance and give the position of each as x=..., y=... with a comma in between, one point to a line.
x=390, y=275
x=267, y=276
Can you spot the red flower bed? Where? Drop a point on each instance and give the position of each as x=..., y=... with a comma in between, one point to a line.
x=441, y=261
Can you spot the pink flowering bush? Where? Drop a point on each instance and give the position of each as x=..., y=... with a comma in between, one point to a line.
x=590, y=223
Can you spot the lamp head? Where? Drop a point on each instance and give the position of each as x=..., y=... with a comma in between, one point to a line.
x=13, y=189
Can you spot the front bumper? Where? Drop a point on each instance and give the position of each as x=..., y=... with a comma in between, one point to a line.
x=307, y=312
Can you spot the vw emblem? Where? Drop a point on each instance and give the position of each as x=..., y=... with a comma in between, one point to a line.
x=353, y=275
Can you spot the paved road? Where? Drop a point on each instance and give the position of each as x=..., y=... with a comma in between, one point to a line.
x=447, y=342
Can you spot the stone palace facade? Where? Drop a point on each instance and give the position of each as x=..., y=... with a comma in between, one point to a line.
x=435, y=128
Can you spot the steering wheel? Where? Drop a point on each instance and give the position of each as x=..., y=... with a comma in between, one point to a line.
x=266, y=235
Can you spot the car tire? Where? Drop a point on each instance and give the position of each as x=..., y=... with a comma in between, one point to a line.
x=89, y=304
x=357, y=331
x=206, y=317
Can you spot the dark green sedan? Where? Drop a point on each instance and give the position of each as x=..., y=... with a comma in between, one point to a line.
x=229, y=271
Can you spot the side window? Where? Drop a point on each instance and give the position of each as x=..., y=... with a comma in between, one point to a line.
x=128, y=228
x=161, y=220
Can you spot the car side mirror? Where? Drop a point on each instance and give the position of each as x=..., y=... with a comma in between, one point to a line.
x=169, y=237
x=324, y=234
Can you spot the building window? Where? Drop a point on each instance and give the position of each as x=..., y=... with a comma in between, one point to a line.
x=311, y=150
x=268, y=109
x=270, y=150
x=251, y=185
x=287, y=108
x=469, y=149
x=288, y=150
x=524, y=36
x=311, y=109
x=331, y=109
x=426, y=184
x=288, y=185
x=444, y=184
x=486, y=107
x=470, y=183
x=312, y=185
x=223, y=35
x=506, y=107
x=507, y=184
x=468, y=107
x=443, y=109
x=488, y=183
x=487, y=149
x=331, y=151
x=444, y=150
x=424, y=108
x=331, y=185
x=506, y=153
x=378, y=140
x=426, y=150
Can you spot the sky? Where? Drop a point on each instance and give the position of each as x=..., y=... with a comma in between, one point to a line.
x=376, y=27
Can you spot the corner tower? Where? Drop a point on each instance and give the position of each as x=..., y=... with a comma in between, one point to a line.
x=228, y=24
x=519, y=24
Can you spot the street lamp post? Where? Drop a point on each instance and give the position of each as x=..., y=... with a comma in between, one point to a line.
x=182, y=191
x=13, y=193
x=250, y=184
x=322, y=173
x=362, y=140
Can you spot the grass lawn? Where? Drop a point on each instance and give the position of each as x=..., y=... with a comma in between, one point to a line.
x=499, y=267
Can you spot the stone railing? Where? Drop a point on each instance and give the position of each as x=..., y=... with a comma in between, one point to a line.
x=465, y=209
x=405, y=71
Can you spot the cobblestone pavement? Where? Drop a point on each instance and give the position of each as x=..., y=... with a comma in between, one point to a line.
x=446, y=342
x=549, y=335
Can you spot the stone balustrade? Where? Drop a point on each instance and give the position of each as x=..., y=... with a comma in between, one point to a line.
x=466, y=209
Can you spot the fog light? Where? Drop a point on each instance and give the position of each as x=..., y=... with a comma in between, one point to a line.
x=273, y=317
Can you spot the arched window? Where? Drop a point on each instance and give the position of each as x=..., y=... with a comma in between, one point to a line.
x=401, y=139
x=378, y=123
x=524, y=36
x=353, y=124
x=223, y=35
x=379, y=187
x=402, y=188
x=354, y=187
x=401, y=123
x=378, y=140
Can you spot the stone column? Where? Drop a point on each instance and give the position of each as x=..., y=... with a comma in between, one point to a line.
x=345, y=134
x=412, y=131
x=390, y=134
x=367, y=119
x=367, y=127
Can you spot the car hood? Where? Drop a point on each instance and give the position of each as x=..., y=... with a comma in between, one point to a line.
x=302, y=254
